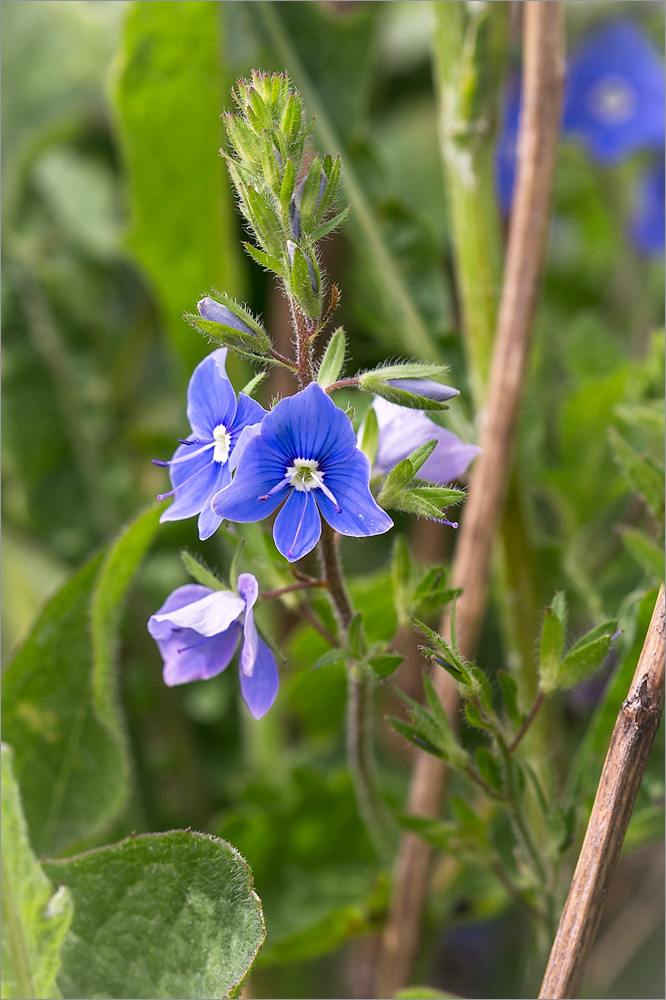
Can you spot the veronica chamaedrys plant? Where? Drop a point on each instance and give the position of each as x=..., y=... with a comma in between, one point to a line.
x=304, y=457
x=201, y=464
x=197, y=631
x=401, y=430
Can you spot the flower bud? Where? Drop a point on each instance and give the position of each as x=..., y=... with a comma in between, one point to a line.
x=215, y=312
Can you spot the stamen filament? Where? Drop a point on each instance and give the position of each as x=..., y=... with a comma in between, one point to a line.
x=275, y=489
x=163, y=496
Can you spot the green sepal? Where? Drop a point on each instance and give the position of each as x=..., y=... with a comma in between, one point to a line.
x=200, y=572
x=324, y=228
x=270, y=166
x=450, y=660
x=368, y=435
x=310, y=194
x=265, y=221
x=272, y=264
x=413, y=734
x=434, y=728
x=287, y=188
x=333, y=359
x=332, y=170
x=418, y=501
x=301, y=282
x=375, y=381
x=249, y=387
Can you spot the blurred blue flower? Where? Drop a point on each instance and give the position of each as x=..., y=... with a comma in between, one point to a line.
x=305, y=454
x=647, y=224
x=615, y=92
x=201, y=464
x=506, y=150
x=401, y=430
x=197, y=632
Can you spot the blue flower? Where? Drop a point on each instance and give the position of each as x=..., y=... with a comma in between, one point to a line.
x=197, y=632
x=304, y=457
x=201, y=464
x=647, y=225
x=615, y=92
x=401, y=430
x=506, y=151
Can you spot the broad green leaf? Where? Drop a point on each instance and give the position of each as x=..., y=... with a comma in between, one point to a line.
x=34, y=918
x=640, y=472
x=356, y=633
x=490, y=769
x=169, y=91
x=330, y=658
x=334, y=358
x=59, y=705
x=159, y=915
x=368, y=435
x=580, y=662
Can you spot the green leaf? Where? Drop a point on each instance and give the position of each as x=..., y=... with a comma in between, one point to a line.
x=265, y=220
x=449, y=659
x=301, y=282
x=645, y=551
x=168, y=915
x=265, y=260
x=581, y=662
x=174, y=52
x=332, y=657
x=552, y=649
x=401, y=565
x=34, y=919
x=415, y=735
x=642, y=475
x=200, y=572
x=385, y=664
x=357, y=641
x=333, y=359
x=436, y=831
x=474, y=717
x=422, y=454
x=509, y=689
x=489, y=768
x=454, y=752
x=59, y=705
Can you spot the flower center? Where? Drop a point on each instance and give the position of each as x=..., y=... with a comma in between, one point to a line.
x=613, y=100
x=304, y=474
x=222, y=440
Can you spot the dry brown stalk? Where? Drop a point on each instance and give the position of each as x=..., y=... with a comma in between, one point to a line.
x=632, y=738
x=542, y=88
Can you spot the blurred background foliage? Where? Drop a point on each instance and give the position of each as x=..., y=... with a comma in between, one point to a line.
x=117, y=216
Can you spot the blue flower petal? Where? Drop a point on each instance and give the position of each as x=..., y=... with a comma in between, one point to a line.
x=259, y=470
x=260, y=690
x=189, y=657
x=187, y=594
x=248, y=589
x=359, y=514
x=248, y=411
x=194, y=480
x=209, y=522
x=309, y=425
x=209, y=615
x=298, y=526
x=211, y=400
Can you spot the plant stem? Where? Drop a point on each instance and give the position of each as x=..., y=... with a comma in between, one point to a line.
x=267, y=595
x=630, y=745
x=531, y=715
x=359, y=708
